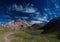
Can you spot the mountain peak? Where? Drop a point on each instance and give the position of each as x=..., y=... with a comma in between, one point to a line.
x=18, y=24
x=53, y=24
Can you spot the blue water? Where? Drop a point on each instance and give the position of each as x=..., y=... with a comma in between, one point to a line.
x=35, y=33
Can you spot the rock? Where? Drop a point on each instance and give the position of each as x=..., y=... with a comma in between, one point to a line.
x=17, y=25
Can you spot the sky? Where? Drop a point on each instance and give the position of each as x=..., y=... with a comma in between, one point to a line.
x=34, y=11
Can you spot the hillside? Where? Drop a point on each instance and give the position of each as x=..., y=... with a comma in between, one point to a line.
x=25, y=36
x=37, y=26
x=52, y=26
x=16, y=25
x=20, y=25
x=23, y=31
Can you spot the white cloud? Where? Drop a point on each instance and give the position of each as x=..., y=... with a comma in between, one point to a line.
x=54, y=13
x=39, y=18
x=30, y=10
x=7, y=16
x=46, y=9
x=16, y=16
x=43, y=19
x=34, y=21
x=24, y=17
x=57, y=6
x=26, y=9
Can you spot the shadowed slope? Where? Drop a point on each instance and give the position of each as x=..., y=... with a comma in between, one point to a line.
x=52, y=26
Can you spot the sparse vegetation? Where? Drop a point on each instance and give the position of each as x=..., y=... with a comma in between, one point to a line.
x=26, y=36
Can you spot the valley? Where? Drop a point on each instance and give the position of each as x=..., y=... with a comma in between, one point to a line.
x=25, y=36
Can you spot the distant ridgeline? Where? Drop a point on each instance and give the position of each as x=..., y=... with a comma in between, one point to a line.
x=52, y=27
x=20, y=25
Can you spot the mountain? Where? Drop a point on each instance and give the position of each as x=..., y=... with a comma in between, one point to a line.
x=36, y=26
x=21, y=25
x=17, y=25
x=52, y=26
x=1, y=27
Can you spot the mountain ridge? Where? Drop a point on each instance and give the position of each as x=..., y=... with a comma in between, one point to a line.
x=21, y=25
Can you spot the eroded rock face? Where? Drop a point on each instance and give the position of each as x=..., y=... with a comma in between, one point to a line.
x=17, y=25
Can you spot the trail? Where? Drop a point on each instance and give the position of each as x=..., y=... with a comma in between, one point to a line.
x=46, y=39
x=6, y=37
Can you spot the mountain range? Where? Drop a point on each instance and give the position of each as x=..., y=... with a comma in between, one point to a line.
x=20, y=25
x=16, y=25
x=52, y=26
x=23, y=24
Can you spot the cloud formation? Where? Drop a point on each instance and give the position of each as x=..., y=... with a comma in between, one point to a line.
x=40, y=19
x=29, y=8
x=34, y=21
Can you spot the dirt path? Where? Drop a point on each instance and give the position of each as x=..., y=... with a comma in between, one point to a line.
x=7, y=35
x=6, y=38
x=46, y=39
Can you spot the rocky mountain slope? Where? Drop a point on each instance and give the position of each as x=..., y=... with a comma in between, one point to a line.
x=37, y=26
x=20, y=25
x=17, y=25
x=52, y=26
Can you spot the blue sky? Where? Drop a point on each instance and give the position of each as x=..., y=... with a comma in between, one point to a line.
x=35, y=11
